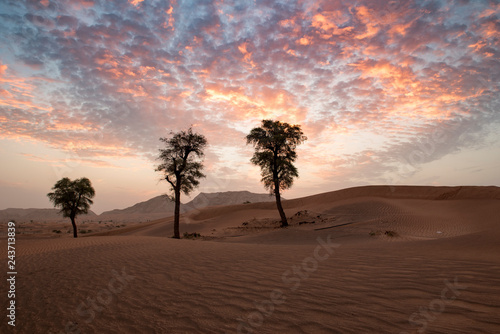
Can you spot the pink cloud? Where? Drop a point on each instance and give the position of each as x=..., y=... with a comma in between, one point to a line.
x=334, y=67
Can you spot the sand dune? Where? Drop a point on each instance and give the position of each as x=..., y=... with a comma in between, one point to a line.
x=360, y=260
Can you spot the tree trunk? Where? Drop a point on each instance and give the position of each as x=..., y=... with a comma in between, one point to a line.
x=284, y=222
x=177, y=213
x=75, y=234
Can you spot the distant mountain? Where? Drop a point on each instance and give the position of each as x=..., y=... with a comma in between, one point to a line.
x=227, y=198
x=158, y=204
x=154, y=208
x=162, y=205
x=39, y=215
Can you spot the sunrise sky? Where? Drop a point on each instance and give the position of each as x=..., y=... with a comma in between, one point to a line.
x=387, y=92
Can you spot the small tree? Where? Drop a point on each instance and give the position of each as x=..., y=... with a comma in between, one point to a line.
x=181, y=166
x=73, y=197
x=275, y=143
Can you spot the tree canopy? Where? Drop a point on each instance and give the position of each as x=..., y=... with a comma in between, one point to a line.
x=275, y=143
x=72, y=197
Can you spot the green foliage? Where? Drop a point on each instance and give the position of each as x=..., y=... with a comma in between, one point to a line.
x=72, y=197
x=179, y=164
x=275, y=143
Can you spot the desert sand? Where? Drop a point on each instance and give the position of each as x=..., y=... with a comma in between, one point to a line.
x=374, y=259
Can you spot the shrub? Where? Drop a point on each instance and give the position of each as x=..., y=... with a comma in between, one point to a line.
x=391, y=234
x=387, y=233
x=193, y=235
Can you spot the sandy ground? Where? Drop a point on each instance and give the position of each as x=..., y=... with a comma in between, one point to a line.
x=363, y=260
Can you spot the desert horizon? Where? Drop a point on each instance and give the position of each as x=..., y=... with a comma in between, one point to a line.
x=389, y=259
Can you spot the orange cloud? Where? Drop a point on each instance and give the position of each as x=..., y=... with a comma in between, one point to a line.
x=232, y=96
x=3, y=68
x=22, y=104
x=74, y=161
x=107, y=59
x=247, y=55
x=490, y=30
x=78, y=4
x=69, y=126
x=6, y=93
x=92, y=148
x=292, y=23
x=366, y=16
x=304, y=41
x=494, y=9
x=202, y=73
x=406, y=94
x=185, y=94
x=329, y=23
x=287, y=23
x=170, y=21
x=400, y=29
x=18, y=91
x=267, y=103
x=135, y=2
x=134, y=90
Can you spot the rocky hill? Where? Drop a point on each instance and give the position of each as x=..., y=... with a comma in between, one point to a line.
x=227, y=198
x=162, y=205
x=158, y=204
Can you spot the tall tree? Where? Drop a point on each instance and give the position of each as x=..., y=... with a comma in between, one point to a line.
x=73, y=197
x=275, y=143
x=181, y=166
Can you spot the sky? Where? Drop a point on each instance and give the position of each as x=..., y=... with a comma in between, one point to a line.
x=387, y=92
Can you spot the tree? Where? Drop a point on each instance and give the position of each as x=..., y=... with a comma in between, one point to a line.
x=73, y=197
x=181, y=166
x=275, y=143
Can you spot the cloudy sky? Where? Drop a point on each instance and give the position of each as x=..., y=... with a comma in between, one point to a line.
x=387, y=92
